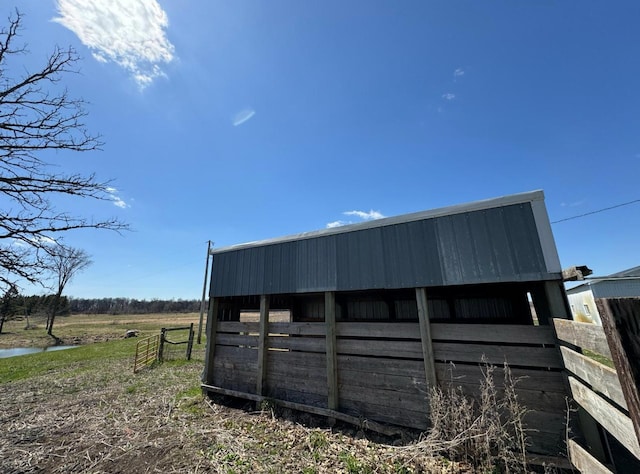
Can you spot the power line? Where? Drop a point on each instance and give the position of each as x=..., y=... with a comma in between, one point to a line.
x=596, y=212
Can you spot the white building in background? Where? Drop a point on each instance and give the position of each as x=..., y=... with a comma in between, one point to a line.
x=582, y=298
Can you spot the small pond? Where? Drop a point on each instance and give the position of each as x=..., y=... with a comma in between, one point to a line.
x=18, y=351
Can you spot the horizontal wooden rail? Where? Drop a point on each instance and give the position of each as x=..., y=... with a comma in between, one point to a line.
x=367, y=424
x=611, y=419
x=585, y=335
x=596, y=388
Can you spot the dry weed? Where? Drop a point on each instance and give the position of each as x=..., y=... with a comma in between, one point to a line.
x=487, y=431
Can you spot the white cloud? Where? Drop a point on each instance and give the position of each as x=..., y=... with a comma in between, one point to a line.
x=458, y=72
x=38, y=239
x=242, y=116
x=130, y=33
x=448, y=96
x=120, y=203
x=334, y=224
x=117, y=200
x=367, y=216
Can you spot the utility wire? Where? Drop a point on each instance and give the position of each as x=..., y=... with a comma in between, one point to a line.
x=596, y=212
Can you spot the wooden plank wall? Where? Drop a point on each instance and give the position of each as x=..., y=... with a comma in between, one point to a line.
x=296, y=365
x=235, y=364
x=381, y=370
x=594, y=386
x=621, y=323
x=534, y=362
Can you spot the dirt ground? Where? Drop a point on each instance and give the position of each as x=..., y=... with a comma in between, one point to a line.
x=115, y=422
x=99, y=417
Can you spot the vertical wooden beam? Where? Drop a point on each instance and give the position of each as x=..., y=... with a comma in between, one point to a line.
x=212, y=327
x=425, y=336
x=620, y=321
x=262, y=344
x=204, y=291
x=541, y=304
x=557, y=298
x=332, y=363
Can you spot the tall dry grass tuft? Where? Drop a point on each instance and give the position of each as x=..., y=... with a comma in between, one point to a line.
x=486, y=431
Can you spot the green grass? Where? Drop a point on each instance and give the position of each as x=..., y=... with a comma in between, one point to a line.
x=77, y=359
x=599, y=358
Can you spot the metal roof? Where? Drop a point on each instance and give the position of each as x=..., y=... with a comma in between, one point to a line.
x=496, y=240
x=628, y=273
x=625, y=283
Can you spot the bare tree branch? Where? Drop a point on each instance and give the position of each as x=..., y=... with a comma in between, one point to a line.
x=63, y=263
x=36, y=115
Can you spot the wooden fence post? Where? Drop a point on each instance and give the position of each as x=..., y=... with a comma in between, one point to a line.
x=621, y=324
x=262, y=344
x=332, y=365
x=161, y=348
x=425, y=336
x=190, y=343
x=212, y=326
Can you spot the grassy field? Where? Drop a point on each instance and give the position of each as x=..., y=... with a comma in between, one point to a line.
x=83, y=410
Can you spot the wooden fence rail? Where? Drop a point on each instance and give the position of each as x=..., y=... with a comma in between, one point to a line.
x=596, y=388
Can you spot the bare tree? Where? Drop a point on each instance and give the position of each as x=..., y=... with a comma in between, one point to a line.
x=8, y=305
x=63, y=263
x=36, y=117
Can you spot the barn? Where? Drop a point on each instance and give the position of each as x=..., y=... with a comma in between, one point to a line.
x=357, y=322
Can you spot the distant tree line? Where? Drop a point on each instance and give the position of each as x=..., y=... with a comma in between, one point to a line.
x=14, y=305
x=131, y=306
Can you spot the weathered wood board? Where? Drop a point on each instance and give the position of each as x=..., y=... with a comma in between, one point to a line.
x=614, y=421
x=602, y=379
x=585, y=335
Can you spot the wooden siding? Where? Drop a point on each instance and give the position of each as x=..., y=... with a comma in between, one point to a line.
x=596, y=388
x=381, y=368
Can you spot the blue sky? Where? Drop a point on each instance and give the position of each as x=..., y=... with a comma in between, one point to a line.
x=244, y=120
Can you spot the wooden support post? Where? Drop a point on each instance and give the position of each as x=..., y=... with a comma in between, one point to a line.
x=204, y=291
x=557, y=299
x=190, y=342
x=620, y=321
x=425, y=336
x=212, y=327
x=163, y=333
x=262, y=344
x=332, y=363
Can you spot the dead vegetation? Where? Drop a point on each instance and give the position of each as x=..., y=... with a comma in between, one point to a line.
x=100, y=418
x=90, y=413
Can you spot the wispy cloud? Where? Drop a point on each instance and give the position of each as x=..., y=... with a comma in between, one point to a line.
x=130, y=33
x=458, y=72
x=365, y=216
x=334, y=224
x=242, y=116
x=448, y=96
x=37, y=240
x=116, y=199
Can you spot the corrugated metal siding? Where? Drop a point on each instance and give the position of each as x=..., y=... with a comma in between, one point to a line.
x=616, y=289
x=485, y=246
